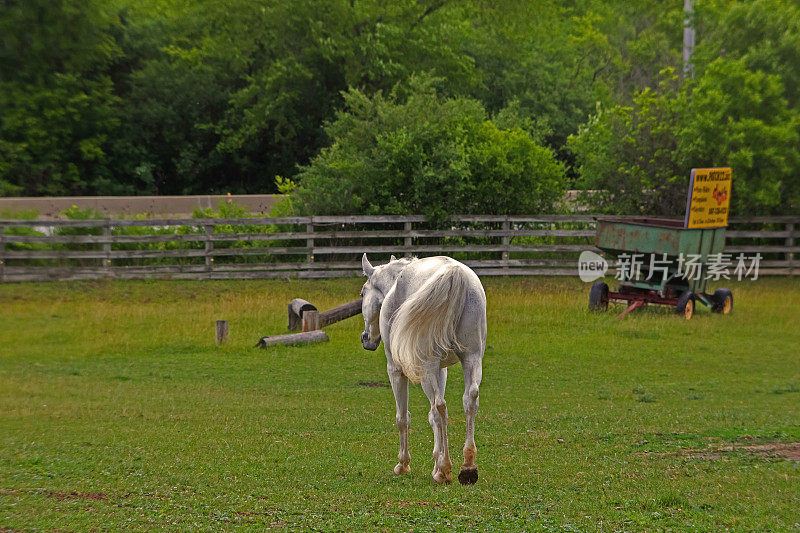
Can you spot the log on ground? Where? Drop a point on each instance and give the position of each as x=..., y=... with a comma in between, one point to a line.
x=293, y=338
x=326, y=318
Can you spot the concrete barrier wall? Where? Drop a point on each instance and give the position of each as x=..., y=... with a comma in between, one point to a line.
x=49, y=207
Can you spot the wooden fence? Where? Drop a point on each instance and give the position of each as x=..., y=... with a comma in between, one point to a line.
x=330, y=246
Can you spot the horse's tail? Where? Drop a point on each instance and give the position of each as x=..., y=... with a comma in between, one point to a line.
x=424, y=326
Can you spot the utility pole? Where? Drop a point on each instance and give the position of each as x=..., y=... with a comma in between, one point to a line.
x=688, y=38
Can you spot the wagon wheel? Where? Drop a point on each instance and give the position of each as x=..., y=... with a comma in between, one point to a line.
x=598, y=297
x=685, y=305
x=722, y=301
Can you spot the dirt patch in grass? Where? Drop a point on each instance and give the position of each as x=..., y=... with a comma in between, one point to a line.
x=373, y=384
x=64, y=496
x=783, y=450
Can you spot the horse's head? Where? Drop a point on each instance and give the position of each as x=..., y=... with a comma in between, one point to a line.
x=380, y=280
x=371, y=306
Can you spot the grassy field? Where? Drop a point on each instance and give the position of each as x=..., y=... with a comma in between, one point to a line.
x=117, y=411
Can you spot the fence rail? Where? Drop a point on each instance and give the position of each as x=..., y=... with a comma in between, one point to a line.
x=330, y=246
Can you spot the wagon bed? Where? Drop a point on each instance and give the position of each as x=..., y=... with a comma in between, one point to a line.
x=657, y=236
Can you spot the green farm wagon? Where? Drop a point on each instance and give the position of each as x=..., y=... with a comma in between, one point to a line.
x=663, y=277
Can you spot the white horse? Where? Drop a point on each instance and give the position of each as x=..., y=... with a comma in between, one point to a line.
x=430, y=313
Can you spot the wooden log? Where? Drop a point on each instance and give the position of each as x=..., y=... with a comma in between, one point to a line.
x=296, y=309
x=293, y=338
x=310, y=320
x=326, y=318
x=222, y=331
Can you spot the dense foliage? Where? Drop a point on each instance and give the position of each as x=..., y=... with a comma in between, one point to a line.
x=420, y=153
x=159, y=97
x=634, y=158
x=740, y=111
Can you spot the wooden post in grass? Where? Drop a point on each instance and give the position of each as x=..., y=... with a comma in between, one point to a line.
x=297, y=307
x=222, y=331
x=310, y=320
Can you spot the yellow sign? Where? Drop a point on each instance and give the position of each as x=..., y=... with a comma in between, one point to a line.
x=709, y=198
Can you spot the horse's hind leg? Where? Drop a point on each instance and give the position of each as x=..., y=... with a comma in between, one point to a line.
x=472, y=381
x=433, y=383
x=400, y=387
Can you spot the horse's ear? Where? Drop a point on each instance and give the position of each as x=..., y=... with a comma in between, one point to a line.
x=393, y=258
x=366, y=266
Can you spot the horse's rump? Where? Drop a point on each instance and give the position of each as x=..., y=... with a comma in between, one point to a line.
x=424, y=326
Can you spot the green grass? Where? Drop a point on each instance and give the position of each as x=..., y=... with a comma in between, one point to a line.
x=117, y=411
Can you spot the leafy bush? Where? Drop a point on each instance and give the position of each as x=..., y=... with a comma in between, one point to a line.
x=416, y=152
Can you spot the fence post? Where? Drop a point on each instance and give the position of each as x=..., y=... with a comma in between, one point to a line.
x=789, y=244
x=506, y=242
x=310, y=241
x=107, y=244
x=2, y=254
x=407, y=240
x=209, y=229
x=222, y=331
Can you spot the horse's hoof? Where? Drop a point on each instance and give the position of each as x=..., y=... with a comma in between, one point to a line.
x=401, y=469
x=440, y=478
x=468, y=476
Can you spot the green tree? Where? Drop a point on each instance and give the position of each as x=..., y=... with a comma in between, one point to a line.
x=296, y=59
x=415, y=151
x=765, y=34
x=57, y=105
x=553, y=62
x=637, y=158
